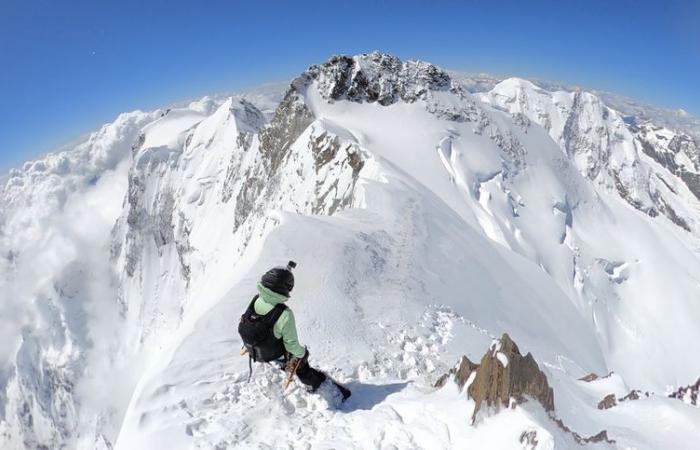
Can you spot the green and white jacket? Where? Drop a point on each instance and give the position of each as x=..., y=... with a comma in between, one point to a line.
x=285, y=327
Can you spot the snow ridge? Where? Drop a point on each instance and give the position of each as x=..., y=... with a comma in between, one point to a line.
x=426, y=220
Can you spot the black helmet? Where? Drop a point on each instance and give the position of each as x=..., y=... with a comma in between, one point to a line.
x=280, y=279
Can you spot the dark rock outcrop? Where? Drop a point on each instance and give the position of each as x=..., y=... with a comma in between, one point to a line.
x=505, y=374
x=688, y=394
x=327, y=150
x=680, y=144
x=502, y=377
x=594, y=376
x=590, y=377
x=292, y=117
x=460, y=373
x=635, y=394
x=528, y=439
x=608, y=402
x=505, y=378
x=377, y=77
x=601, y=436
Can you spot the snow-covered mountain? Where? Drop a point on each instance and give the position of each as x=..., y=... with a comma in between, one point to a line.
x=429, y=212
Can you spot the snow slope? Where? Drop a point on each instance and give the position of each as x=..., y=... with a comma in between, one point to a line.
x=426, y=221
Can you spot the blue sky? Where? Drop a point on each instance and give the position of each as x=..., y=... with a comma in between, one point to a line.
x=66, y=67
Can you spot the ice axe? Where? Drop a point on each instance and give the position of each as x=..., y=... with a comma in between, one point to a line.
x=291, y=374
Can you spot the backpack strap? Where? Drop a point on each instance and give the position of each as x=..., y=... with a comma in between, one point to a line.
x=250, y=366
x=272, y=317
x=251, y=307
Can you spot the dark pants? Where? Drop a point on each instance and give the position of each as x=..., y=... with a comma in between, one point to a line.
x=308, y=375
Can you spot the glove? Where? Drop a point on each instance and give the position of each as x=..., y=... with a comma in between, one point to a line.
x=294, y=363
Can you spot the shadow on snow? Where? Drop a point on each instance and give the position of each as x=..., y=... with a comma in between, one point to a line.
x=367, y=396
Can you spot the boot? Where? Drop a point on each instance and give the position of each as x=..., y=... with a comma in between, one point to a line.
x=345, y=392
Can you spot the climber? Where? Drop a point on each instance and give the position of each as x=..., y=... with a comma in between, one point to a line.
x=269, y=333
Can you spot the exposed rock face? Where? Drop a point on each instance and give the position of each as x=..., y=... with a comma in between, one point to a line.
x=505, y=377
x=252, y=121
x=590, y=144
x=505, y=374
x=590, y=377
x=331, y=156
x=677, y=152
x=609, y=150
x=461, y=373
x=385, y=79
x=502, y=375
x=528, y=439
x=667, y=147
x=688, y=394
x=608, y=402
x=635, y=394
x=291, y=118
x=377, y=77
x=602, y=436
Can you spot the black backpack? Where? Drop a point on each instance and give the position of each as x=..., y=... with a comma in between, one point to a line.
x=258, y=337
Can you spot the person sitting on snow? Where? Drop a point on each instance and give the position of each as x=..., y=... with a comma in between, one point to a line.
x=269, y=332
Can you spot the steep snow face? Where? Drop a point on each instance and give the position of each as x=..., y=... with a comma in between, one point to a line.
x=584, y=127
x=63, y=336
x=426, y=221
x=199, y=193
x=467, y=222
x=675, y=151
x=632, y=110
x=485, y=170
x=606, y=149
x=55, y=217
x=622, y=161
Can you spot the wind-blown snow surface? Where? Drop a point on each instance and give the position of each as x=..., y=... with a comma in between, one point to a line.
x=426, y=221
